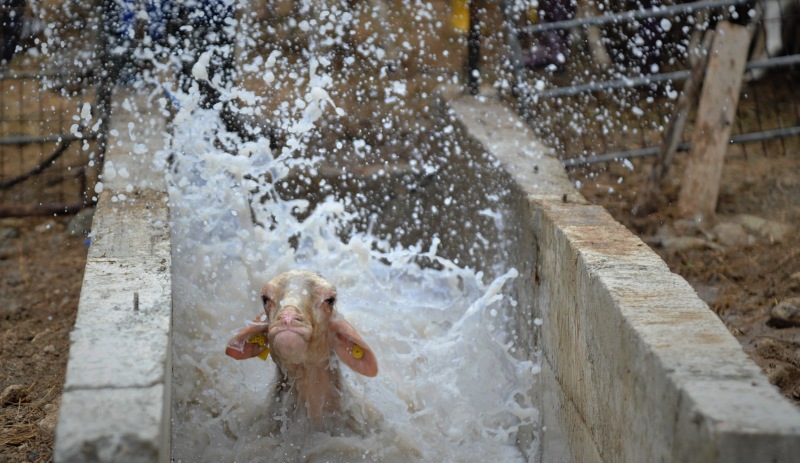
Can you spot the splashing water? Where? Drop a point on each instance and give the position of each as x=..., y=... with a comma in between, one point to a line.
x=449, y=388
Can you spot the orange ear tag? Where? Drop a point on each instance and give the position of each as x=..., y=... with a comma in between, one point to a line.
x=357, y=352
x=261, y=340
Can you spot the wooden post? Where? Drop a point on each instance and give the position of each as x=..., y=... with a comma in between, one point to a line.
x=652, y=196
x=715, y=113
x=474, y=48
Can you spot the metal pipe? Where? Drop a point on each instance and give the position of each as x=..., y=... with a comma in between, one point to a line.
x=27, y=139
x=625, y=16
x=15, y=75
x=24, y=210
x=774, y=62
x=683, y=146
x=625, y=82
x=675, y=76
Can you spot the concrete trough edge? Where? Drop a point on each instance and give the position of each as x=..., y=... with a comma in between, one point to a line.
x=641, y=370
x=635, y=366
x=115, y=405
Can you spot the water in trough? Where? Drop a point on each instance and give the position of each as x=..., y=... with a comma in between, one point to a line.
x=453, y=385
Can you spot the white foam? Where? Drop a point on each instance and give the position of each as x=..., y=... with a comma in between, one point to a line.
x=449, y=388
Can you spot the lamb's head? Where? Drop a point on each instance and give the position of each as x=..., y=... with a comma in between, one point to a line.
x=300, y=327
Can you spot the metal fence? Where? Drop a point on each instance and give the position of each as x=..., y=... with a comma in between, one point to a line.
x=49, y=149
x=602, y=104
x=45, y=159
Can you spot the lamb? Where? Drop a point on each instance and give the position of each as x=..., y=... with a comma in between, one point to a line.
x=304, y=334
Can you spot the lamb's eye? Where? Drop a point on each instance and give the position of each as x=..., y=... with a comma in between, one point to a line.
x=331, y=300
x=265, y=300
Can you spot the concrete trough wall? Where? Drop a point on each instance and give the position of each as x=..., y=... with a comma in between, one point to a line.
x=635, y=366
x=115, y=405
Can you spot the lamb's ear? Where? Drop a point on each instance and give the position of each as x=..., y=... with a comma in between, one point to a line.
x=352, y=350
x=250, y=341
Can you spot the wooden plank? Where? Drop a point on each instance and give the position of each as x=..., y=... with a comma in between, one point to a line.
x=715, y=113
x=652, y=197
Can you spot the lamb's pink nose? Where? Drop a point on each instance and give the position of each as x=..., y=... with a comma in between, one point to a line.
x=288, y=317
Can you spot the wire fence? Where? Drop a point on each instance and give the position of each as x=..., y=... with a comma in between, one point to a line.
x=613, y=90
x=49, y=149
x=611, y=96
x=44, y=157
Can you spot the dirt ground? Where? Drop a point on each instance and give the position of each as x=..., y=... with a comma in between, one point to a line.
x=42, y=268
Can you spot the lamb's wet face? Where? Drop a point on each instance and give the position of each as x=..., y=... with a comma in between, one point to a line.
x=299, y=306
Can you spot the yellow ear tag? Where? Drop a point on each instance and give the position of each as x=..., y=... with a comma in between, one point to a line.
x=357, y=352
x=261, y=340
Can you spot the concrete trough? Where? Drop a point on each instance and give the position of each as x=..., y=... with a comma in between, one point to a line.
x=115, y=404
x=635, y=365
